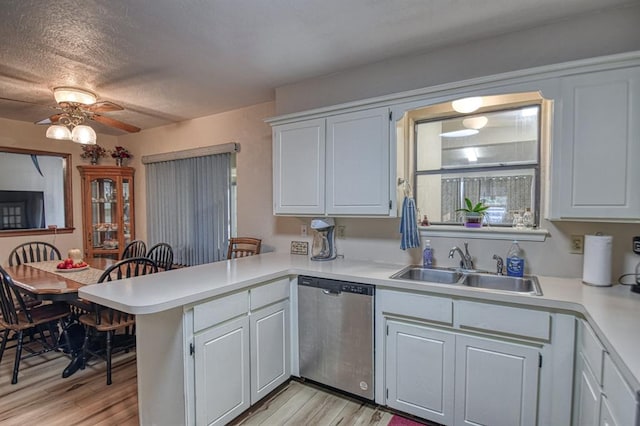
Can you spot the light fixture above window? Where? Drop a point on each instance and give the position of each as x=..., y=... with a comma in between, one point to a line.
x=74, y=95
x=467, y=105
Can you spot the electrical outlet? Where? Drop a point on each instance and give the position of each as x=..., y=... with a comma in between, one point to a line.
x=577, y=244
x=636, y=245
x=340, y=232
x=303, y=230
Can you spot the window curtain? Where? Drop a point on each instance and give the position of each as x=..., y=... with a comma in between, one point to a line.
x=515, y=190
x=188, y=207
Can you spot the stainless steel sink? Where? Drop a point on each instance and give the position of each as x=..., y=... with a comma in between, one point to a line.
x=525, y=285
x=432, y=275
x=528, y=284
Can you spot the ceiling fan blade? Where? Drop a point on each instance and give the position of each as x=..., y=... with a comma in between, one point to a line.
x=103, y=106
x=108, y=121
x=51, y=120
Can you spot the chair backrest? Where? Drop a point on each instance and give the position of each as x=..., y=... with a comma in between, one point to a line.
x=34, y=251
x=162, y=254
x=136, y=248
x=243, y=246
x=11, y=301
x=127, y=268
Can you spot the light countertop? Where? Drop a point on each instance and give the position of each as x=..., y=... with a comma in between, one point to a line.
x=613, y=312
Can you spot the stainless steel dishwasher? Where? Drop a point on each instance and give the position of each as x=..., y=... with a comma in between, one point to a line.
x=335, y=327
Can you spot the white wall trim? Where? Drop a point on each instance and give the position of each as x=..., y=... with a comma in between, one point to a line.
x=191, y=153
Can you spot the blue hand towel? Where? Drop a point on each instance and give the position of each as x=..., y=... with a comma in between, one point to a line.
x=409, y=225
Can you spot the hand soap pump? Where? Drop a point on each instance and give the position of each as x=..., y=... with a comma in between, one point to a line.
x=427, y=255
x=515, y=261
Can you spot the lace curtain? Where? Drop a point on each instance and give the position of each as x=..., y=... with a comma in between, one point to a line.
x=511, y=193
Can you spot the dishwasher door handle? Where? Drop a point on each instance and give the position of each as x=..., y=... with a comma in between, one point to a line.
x=331, y=293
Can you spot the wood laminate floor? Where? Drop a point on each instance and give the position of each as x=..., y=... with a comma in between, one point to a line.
x=42, y=396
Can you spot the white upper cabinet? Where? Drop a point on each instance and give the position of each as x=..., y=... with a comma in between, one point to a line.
x=339, y=165
x=596, y=146
x=299, y=167
x=358, y=163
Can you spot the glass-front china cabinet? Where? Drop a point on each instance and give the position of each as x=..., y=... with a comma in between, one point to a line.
x=107, y=209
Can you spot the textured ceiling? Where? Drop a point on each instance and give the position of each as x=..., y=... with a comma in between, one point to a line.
x=167, y=61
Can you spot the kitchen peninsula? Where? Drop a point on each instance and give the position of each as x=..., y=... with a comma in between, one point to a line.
x=164, y=305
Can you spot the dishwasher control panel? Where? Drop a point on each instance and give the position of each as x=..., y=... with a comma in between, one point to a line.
x=335, y=286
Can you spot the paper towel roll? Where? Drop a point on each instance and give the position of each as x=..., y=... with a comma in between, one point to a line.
x=596, y=268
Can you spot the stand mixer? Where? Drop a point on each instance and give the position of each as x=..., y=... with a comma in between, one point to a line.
x=324, y=243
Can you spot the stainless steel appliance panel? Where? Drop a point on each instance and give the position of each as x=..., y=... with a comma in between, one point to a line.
x=336, y=334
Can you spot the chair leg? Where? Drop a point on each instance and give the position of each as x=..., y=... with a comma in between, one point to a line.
x=108, y=357
x=85, y=346
x=3, y=345
x=16, y=363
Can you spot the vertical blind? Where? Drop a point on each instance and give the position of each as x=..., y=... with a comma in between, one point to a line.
x=188, y=206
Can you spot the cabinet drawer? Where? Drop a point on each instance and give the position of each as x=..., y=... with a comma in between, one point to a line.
x=215, y=311
x=591, y=348
x=430, y=308
x=618, y=394
x=269, y=293
x=503, y=319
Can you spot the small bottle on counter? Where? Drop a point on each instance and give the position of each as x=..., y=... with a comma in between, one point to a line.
x=527, y=219
x=427, y=255
x=515, y=260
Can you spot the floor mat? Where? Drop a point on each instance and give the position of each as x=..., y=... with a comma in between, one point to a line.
x=401, y=421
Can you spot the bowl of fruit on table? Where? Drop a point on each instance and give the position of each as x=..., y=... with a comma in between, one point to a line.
x=72, y=265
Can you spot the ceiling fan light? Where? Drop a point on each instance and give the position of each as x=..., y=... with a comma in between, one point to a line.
x=475, y=122
x=467, y=105
x=59, y=132
x=71, y=94
x=84, y=135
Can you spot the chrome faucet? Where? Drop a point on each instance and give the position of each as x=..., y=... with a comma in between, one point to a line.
x=499, y=264
x=465, y=258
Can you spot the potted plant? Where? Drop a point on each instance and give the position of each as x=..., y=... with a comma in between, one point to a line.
x=93, y=152
x=120, y=153
x=473, y=214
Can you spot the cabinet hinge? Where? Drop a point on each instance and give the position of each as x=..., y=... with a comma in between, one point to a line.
x=387, y=330
x=390, y=115
x=192, y=349
x=539, y=360
x=387, y=397
x=390, y=204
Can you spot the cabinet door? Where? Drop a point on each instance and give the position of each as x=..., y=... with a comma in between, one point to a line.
x=496, y=383
x=270, y=337
x=596, y=147
x=587, y=395
x=419, y=371
x=222, y=372
x=299, y=167
x=606, y=418
x=358, y=162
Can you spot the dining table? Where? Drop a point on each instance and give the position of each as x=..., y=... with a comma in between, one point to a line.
x=45, y=282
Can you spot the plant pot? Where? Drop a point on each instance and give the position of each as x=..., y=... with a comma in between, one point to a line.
x=118, y=161
x=473, y=220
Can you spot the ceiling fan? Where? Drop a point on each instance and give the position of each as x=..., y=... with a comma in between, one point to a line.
x=78, y=106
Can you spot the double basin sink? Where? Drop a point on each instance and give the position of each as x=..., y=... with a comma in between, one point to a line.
x=526, y=285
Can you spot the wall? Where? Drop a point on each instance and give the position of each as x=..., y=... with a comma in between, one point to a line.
x=18, y=134
x=245, y=126
x=590, y=35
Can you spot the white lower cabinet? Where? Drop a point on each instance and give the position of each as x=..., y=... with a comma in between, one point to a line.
x=222, y=372
x=496, y=382
x=240, y=351
x=269, y=349
x=419, y=371
x=587, y=395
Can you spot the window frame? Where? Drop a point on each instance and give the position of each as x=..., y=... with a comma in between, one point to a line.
x=465, y=170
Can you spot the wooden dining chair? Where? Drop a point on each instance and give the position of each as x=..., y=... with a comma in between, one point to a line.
x=243, y=246
x=136, y=248
x=108, y=320
x=34, y=251
x=18, y=317
x=162, y=254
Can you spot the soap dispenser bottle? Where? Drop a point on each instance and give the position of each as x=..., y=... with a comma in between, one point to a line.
x=515, y=260
x=427, y=255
